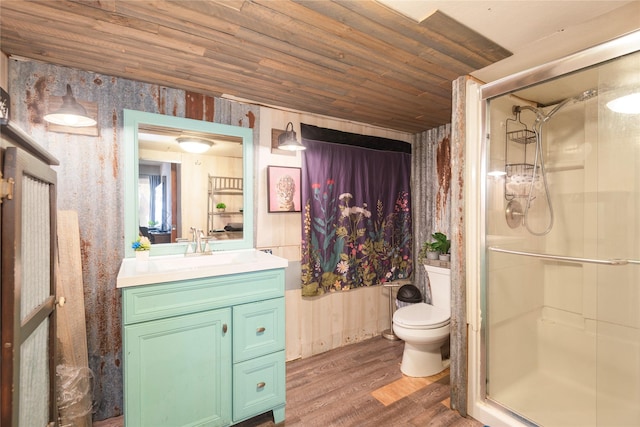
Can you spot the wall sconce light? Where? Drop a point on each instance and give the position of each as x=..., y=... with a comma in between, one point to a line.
x=287, y=140
x=71, y=113
x=194, y=145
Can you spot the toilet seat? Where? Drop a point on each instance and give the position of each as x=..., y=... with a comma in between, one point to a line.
x=421, y=316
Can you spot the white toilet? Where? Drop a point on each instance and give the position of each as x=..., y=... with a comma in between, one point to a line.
x=424, y=328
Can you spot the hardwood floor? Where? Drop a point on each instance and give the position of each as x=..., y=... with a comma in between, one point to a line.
x=359, y=385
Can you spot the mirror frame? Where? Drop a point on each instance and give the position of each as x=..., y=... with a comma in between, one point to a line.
x=132, y=121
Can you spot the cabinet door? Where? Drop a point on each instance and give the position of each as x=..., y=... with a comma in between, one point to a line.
x=177, y=371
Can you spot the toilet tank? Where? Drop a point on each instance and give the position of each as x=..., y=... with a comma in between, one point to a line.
x=440, y=282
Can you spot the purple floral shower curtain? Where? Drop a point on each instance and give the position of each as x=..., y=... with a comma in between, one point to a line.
x=357, y=210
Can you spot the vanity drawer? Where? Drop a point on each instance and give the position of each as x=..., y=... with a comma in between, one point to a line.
x=258, y=385
x=258, y=329
x=156, y=301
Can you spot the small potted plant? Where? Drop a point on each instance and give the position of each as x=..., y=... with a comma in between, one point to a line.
x=442, y=245
x=429, y=250
x=142, y=247
x=221, y=207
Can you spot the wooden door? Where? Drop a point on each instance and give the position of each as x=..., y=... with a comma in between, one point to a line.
x=27, y=394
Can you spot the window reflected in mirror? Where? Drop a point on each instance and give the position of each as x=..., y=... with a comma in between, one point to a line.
x=157, y=201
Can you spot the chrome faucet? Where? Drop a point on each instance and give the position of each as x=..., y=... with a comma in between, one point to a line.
x=190, y=245
x=198, y=240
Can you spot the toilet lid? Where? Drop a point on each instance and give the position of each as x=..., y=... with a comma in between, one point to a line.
x=421, y=315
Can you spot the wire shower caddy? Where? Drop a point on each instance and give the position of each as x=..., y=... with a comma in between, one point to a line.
x=519, y=170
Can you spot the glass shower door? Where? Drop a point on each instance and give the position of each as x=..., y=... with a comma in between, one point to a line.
x=562, y=278
x=617, y=292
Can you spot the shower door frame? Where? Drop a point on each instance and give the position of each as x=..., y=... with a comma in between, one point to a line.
x=480, y=405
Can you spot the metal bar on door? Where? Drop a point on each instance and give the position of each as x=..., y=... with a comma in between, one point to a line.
x=566, y=258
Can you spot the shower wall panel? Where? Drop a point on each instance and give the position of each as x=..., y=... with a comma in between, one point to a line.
x=566, y=329
x=516, y=298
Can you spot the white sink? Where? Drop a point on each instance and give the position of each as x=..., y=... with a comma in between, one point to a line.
x=172, y=263
x=170, y=268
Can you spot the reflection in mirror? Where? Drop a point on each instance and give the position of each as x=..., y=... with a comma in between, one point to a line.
x=179, y=189
x=172, y=182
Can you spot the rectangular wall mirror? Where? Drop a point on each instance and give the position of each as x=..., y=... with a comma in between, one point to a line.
x=182, y=174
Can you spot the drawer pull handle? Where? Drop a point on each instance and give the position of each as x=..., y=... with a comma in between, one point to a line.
x=261, y=384
x=260, y=330
x=224, y=328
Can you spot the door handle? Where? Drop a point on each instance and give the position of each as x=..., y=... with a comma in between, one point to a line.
x=224, y=328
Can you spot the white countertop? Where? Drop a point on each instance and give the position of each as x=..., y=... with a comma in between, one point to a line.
x=170, y=268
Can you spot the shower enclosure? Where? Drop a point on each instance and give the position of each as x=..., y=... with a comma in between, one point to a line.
x=559, y=262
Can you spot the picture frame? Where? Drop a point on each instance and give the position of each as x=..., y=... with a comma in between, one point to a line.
x=283, y=189
x=5, y=104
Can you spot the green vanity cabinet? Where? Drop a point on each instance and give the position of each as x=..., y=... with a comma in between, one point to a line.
x=177, y=371
x=207, y=351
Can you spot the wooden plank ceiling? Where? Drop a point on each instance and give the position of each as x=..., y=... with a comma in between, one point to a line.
x=355, y=60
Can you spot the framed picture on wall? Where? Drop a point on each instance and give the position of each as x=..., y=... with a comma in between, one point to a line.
x=4, y=107
x=283, y=188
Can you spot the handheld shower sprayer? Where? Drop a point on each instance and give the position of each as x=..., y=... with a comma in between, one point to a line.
x=541, y=119
x=541, y=116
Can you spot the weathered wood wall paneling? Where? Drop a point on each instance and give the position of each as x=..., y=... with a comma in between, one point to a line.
x=459, y=339
x=199, y=106
x=90, y=182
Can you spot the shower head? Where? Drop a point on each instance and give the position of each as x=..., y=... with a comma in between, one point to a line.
x=587, y=94
x=582, y=96
x=542, y=117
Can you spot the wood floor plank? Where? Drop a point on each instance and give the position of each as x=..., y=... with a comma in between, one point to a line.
x=444, y=418
x=346, y=413
x=397, y=414
x=466, y=422
x=338, y=388
x=399, y=389
x=431, y=415
x=431, y=395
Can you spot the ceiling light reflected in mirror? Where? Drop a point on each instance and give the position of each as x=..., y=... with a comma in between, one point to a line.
x=163, y=139
x=194, y=145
